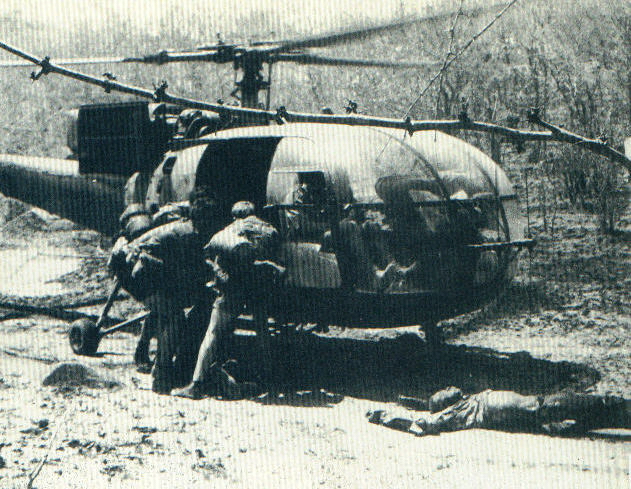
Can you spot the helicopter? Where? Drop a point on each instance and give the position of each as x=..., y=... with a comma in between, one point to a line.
x=411, y=225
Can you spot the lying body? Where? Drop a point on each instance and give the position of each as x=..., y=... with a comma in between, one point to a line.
x=566, y=413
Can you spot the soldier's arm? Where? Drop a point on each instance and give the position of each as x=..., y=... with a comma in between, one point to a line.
x=398, y=421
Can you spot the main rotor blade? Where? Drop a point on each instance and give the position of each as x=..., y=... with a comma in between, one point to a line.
x=313, y=59
x=67, y=61
x=163, y=57
x=330, y=39
x=158, y=58
x=321, y=41
x=552, y=133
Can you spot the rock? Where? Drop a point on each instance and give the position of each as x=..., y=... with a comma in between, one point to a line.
x=27, y=222
x=77, y=374
x=147, y=430
x=33, y=430
x=312, y=398
x=11, y=208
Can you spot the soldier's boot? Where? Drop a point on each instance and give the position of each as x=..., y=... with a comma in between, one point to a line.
x=183, y=372
x=218, y=383
x=162, y=379
x=141, y=357
x=185, y=361
x=229, y=388
x=195, y=390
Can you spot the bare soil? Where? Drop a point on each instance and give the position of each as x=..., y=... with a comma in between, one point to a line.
x=565, y=323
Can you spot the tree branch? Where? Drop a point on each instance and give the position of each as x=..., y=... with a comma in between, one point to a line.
x=446, y=65
x=597, y=146
x=452, y=38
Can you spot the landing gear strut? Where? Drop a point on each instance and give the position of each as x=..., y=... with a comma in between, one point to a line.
x=85, y=335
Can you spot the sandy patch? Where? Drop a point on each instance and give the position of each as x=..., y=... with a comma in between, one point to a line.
x=35, y=271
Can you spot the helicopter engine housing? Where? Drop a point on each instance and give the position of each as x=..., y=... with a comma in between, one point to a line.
x=118, y=138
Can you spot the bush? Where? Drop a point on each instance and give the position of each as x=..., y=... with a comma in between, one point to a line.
x=593, y=184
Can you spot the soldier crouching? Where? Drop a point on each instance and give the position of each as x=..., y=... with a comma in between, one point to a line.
x=241, y=255
x=165, y=269
x=136, y=221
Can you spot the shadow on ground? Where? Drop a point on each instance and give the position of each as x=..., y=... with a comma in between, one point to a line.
x=383, y=369
x=519, y=298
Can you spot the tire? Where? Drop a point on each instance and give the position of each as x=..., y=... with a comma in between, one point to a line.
x=84, y=337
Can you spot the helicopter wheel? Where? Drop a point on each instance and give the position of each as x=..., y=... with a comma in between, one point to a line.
x=84, y=337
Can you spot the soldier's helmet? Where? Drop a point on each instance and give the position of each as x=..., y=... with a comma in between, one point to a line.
x=242, y=209
x=444, y=398
x=205, y=213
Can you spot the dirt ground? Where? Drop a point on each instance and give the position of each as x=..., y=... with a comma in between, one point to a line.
x=565, y=323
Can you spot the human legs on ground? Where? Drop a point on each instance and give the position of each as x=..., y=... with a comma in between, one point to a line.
x=169, y=323
x=219, y=328
x=588, y=411
x=197, y=321
x=141, y=355
x=208, y=373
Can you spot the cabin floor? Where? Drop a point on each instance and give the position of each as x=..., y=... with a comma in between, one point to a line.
x=564, y=323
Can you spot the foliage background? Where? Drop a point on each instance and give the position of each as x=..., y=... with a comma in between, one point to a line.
x=569, y=58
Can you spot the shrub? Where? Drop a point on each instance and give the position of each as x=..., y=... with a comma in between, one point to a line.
x=593, y=184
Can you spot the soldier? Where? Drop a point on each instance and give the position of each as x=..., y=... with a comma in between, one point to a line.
x=170, y=212
x=566, y=413
x=135, y=221
x=307, y=223
x=165, y=269
x=241, y=255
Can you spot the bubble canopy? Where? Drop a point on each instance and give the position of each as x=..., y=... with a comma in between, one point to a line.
x=359, y=157
x=410, y=214
x=370, y=165
x=364, y=165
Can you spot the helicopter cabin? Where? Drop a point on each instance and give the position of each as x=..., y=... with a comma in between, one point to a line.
x=362, y=209
x=369, y=210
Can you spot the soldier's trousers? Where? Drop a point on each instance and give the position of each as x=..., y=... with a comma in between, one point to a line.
x=168, y=316
x=176, y=335
x=220, y=327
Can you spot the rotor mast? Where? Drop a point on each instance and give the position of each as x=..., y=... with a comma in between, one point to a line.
x=252, y=81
